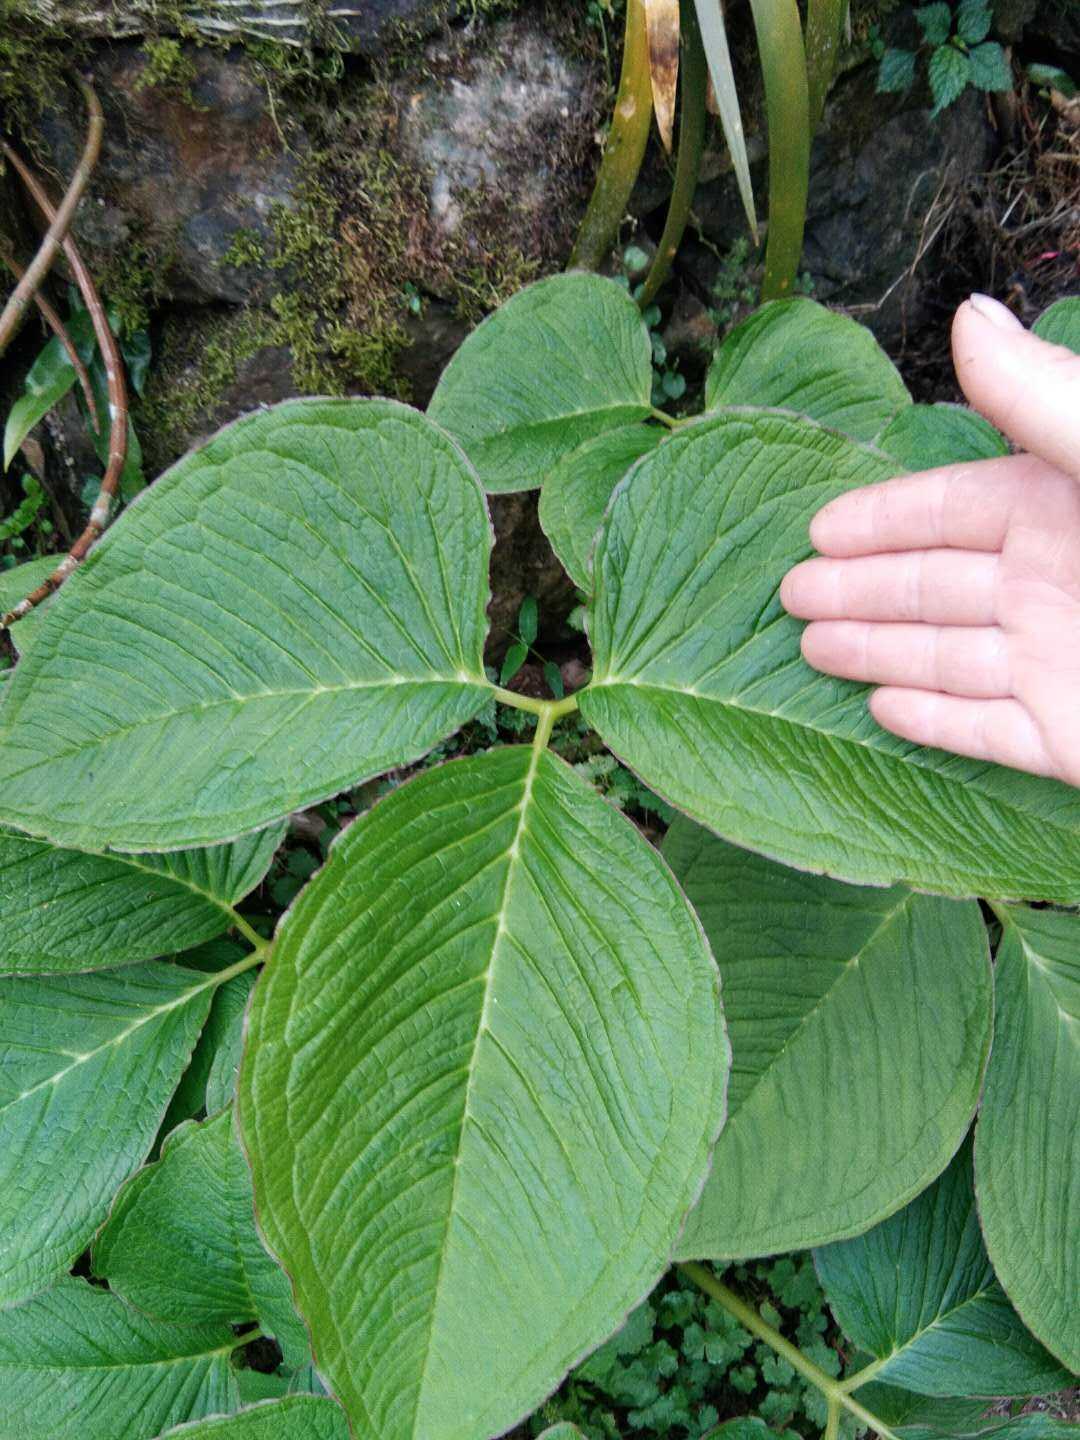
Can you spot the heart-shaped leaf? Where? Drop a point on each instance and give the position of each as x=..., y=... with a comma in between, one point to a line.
x=180, y=1241
x=77, y=1362
x=578, y=490
x=700, y=687
x=563, y=360
x=1026, y=1170
x=67, y=910
x=797, y=355
x=89, y=1064
x=918, y=1292
x=484, y=1069
x=296, y=606
x=836, y=1116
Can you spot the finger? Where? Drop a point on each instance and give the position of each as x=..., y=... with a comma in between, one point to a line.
x=959, y=661
x=997, y=730
x=936, y=587
x=1027, y=387
x=966, y=506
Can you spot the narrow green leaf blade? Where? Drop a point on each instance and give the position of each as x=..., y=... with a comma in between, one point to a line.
x=918, y=1292
x=1060, y=323
x=47, y=382
x=699, y=685
x=296, y=1417
x=836, y=1115
x=797, y=355
x=180, y=1241
x=68, y=910
x=578, y=490
x=77, y=1362
x=225, y=1062
x=1027, y=1172
x=718, y=55
x=89, y=1064
x=477, y=1194
x=563, y=360
x=924, y=436
x=296, y=606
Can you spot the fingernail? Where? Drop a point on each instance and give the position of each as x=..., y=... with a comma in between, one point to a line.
x=990, y=309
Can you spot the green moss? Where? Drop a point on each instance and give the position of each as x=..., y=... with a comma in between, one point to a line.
x=169, y=66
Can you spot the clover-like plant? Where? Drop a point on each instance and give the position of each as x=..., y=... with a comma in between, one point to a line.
x=486, y=1060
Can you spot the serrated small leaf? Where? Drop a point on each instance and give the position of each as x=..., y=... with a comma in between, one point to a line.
x=577, y=492
x=700, y=688
x=295, y=606
x=973, y=19
x=16, y=585
x=47, y=382
x=835, y=1118
x=1052, y=77
x=950, y=73
x=924, y=436
x=511, y=1150
x=896, y=71
x=296, y=1417
x=528, y=618
x=70, y=910
x=89, y=1064
x=935, y=22
x=77, y=1362
x=180, y=1241
x=1027, y=1173
x=797, y=355
x=513, y=660
x=1060, y=323
x=990, y=68
x=918, y=1292
x=563, y=360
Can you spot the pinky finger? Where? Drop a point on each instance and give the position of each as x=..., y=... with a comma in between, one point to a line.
x=998, y=730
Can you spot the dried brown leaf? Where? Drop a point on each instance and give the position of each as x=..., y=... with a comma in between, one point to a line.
x=662, y=23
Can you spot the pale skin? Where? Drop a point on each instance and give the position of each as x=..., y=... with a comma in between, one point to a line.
x=957, y=591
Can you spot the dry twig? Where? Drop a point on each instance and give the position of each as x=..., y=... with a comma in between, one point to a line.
x=60, y=222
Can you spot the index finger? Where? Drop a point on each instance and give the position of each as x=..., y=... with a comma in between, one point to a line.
x=959, y=507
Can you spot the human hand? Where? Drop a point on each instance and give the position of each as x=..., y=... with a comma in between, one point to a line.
x=957, y=590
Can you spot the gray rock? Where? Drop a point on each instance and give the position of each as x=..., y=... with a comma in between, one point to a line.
x=182, y=174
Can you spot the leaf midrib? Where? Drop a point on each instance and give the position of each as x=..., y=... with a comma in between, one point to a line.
x=512, y=852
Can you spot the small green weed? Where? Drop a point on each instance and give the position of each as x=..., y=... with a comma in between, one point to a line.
x=956, y=51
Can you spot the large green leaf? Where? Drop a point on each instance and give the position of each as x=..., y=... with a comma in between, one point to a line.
x=483, y=1072
x=924, y=436
x=76, y=1363
x=563, y=360
x=577, y=492
x=860, y=1024
x=180, y=1241
x=297, y=1417
x=16, y=585
x=70, y=910
x=923, y=1417
x=296, y=606
x=796, y=355
x=918, y=1293
x=700, y=687
x=89, y=1064
x=1060, y=323
x=1027, y=1145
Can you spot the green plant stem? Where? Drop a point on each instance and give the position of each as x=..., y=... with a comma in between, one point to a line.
x=783, y=65
x=257, y=956
x=694, y=79
x=832, y=1420
x=824, y=21
x=747, y=1316
x=625, y=148
x=250, y=934
x=246, y=1338
x=668, y=420
x=861, y=1377
x=555, y=708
